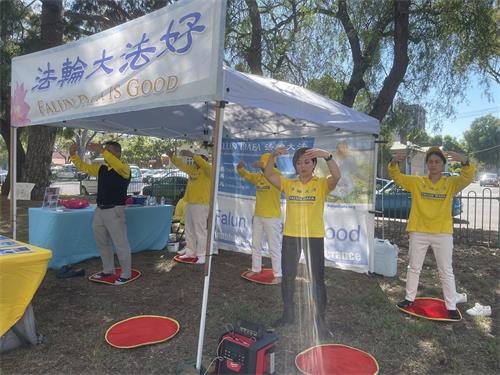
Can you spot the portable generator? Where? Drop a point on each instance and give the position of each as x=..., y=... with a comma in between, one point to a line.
x=246, y=350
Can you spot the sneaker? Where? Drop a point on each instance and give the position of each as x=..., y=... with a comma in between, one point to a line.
x=186, y=256
x=200, y=261
x=276, y=280
x=121, y=280
x=102, y=275
x=453, y=314
x=461, y=298
x=404, y=304
x=479, y=310
x=181, y=252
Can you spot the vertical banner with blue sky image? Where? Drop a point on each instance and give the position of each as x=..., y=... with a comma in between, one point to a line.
x=348, y=223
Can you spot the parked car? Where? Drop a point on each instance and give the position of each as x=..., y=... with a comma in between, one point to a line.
x=3, y=175
x=88, y=185
x=397, y=202
x=489, y=179
x=380, y=183
x=171, y=187
x=67, y=172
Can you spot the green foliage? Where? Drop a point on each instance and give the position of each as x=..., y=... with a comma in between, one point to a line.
x=141, y=150
x=4, y=157
x=326, y=86
x=483, y=141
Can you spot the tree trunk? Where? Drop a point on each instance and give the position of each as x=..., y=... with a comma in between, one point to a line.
x=400, y=62
x=41, y=139
x=253, y=54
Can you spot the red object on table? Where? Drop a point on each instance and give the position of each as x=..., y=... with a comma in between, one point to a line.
x=75, y=203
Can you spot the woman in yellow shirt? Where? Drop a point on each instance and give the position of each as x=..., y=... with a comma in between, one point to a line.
x=430, y=222
x=266, y=219
x=304, y=226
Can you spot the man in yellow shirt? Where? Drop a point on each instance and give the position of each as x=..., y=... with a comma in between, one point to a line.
x=430, y=222
x=267, y=218
x=109, y=224
x=197, y=197
x=304, y=227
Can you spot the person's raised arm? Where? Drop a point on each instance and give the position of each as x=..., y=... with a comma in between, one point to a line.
x=399, y=178
x=466, y=173
x=269, y=172
x=245, y=174
x=330, y=162
x=204, y=165
x=113, y=161
x=189, y=169
x=90, y=169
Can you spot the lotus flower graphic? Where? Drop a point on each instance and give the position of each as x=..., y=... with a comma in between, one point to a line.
x=19, y=109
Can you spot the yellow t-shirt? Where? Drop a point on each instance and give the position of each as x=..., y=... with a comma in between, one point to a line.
x=179, y=210
x=305, y=205
x=93, y=169
x=198, y=187
x=267, y=196
x=431, y=203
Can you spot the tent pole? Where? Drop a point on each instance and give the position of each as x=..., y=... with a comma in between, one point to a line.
x=13, y=179
x=216, y=153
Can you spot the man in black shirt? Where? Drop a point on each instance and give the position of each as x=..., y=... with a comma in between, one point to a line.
x=109, y=219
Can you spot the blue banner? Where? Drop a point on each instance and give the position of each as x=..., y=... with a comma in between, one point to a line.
x=234, y=150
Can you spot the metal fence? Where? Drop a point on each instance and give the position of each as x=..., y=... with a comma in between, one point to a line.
x=477, y=224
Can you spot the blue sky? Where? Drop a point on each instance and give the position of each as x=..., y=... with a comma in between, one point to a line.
x=476, y=105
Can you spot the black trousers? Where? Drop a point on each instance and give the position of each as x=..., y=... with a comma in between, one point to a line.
x=315, y=270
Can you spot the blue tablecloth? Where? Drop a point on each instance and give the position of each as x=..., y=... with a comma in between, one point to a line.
x=69, y=233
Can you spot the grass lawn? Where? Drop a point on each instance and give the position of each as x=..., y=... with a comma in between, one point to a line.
x=74, y=314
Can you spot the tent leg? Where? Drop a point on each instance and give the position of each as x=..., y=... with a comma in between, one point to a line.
x=219, y=122
x=13, y=180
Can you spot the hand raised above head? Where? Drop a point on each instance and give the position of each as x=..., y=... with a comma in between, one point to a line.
x=73, y=149
x=316, y=153
x=455, y=156
x=187, y=153
x=241, y=164
x=165, y=159
x=280, y=151
x=398, y=157
x=95, y=147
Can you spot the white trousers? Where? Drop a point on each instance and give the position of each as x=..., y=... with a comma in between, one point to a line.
x=110, y=228
x=271, y=227
x=442, y=246
x=195, y=229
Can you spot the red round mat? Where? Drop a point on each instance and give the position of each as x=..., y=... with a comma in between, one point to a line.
x=429, y=308
x=265, y=276
x=333, y=359
x=178, y=258
x=111, y=279
x=141, y=330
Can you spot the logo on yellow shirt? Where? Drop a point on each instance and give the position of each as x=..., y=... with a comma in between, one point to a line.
x=307, y=198
x=440, y=197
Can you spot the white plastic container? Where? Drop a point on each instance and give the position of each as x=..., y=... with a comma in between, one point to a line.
x=385, y=258
x=173, y=247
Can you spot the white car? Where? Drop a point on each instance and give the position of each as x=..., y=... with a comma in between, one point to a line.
x=3, y=175
x=67, y=172
x=89, y=184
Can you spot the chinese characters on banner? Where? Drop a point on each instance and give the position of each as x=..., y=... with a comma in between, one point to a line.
x=145, y=63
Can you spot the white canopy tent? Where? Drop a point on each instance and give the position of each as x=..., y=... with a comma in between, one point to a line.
x=255, y=107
